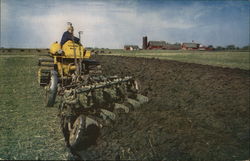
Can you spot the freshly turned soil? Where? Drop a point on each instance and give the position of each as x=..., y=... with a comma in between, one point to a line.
x=195, y=112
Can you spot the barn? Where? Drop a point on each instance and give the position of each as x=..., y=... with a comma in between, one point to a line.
x=173, y=46
x=156, y=45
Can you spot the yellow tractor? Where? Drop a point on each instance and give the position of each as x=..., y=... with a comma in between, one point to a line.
x=88, y=100
x=62, y=65
x=62, y=60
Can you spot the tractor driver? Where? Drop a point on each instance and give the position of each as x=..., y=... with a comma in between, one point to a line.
x=68, y=35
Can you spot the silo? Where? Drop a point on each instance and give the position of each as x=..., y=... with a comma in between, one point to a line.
x=144, y=42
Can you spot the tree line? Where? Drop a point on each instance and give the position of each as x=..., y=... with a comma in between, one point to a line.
x=231, y=48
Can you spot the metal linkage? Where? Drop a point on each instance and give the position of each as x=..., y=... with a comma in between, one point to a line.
x=103, y=84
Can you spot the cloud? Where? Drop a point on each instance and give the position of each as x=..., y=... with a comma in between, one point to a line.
x=110, y=23
x=3, y=22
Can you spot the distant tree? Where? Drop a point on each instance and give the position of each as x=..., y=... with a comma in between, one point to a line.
x=230, y=47
x=210, y=46
x=219, y=48
x=247, y=48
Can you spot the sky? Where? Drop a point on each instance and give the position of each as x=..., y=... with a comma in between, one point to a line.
x=114, y=23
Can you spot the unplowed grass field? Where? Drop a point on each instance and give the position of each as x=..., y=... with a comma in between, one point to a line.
x=28, y=130
x=223, y=59
x=195, y=112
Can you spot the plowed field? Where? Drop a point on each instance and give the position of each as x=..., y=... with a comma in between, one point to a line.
x=195, y=112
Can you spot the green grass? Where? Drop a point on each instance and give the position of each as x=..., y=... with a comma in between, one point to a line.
x=28, y=130
x=223, y=59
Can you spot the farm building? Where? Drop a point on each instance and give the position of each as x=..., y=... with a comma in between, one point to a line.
x=144, y=42
x=156, y=45
x=131, y=47
x=163, y=45
x=173, y=46
x=190, y=46
x=207, y=48
x=159, y=45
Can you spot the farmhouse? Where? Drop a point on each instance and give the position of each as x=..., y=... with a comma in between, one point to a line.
x=131, y=47
x=207, y=48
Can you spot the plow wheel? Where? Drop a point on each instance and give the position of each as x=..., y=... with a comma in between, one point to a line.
x=51, y=89
x=83, y=133
x=93, y=106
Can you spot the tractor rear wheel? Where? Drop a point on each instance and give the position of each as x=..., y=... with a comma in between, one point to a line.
x=51, y=89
